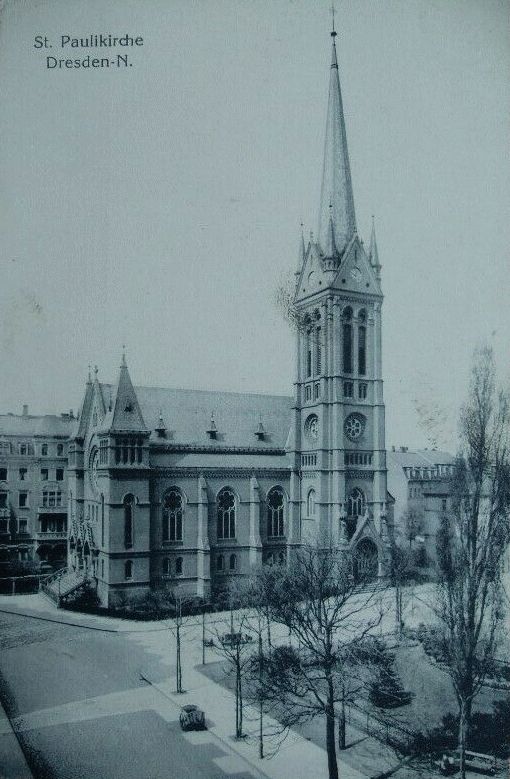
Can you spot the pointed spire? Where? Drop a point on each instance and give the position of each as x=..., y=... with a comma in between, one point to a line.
x=301, y=251
x=373, y=253
x=336, y=173
x=126, y=414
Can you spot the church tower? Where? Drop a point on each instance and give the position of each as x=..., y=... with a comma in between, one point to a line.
x=338, y=431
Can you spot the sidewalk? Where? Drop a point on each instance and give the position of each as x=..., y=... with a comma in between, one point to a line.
x=37, y=606
x=12, y=760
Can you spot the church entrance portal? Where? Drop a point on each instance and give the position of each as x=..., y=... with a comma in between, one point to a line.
x=365, y=561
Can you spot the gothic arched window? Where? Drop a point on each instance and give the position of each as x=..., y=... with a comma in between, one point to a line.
x=178, y=566
x=318, y=352
x=129, y=503
x=172, y=516
x=308, y=353
x=347, y=339
x=167, y=570
x=362, y=343
x=310, y=503
x=226, y=507
x=128, y=569
x=275, y=509
x=102, y=520
x=220, y=563
x=232, y=562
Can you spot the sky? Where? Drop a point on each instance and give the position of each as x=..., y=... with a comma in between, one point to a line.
x=159, y=205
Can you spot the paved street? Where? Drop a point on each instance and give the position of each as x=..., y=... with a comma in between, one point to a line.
x=80, y=708
x=96, y=698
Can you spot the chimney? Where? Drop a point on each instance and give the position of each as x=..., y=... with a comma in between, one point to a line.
x=25, y=410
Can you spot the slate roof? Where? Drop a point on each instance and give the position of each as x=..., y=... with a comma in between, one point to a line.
x=28, y=425
x=424, y=458
x=337, y=201
x=187, y=414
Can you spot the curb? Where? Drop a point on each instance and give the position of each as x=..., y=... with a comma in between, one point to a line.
x=59, y=621
x=226, y=744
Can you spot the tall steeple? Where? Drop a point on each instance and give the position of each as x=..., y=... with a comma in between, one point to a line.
x=337, y=201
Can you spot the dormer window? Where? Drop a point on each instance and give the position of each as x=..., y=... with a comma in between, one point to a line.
x=129, y=407
x=161, y=429
x=212, y=430
x=260, y=432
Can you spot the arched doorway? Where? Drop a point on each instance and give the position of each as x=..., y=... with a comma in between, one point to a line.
x=365, y=561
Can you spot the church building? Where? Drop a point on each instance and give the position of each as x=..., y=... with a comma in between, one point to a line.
x=188, y=488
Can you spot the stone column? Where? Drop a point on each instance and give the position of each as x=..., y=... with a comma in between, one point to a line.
x=255, y=543
x=203, y=550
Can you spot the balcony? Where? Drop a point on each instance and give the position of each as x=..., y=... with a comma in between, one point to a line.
x=51, y=535
x=52, y=510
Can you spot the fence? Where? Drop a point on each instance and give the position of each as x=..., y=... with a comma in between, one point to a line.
x=21, y=585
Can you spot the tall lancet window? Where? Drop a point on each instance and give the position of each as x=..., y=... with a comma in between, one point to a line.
x=226, y=514
x=318, y=352
x=172, y=516
x=362, y=343
x=129, y=503
x=308, y=353
x=347, y=340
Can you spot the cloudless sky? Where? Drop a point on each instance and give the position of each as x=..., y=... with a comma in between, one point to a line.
x=159, y=205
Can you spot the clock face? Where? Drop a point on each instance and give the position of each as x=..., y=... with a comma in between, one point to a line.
x=312, y=427
x=354, y=426
x=356, y=273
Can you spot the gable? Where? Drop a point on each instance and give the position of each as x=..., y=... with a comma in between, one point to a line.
x=355, y=273
x=313, y=278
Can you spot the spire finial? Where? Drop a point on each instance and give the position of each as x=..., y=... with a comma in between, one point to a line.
x=333, y=31
x=123, y=354
x=96, y=371
x=89, y=375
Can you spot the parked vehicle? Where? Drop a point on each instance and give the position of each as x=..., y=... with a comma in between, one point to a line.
x=192, y=718
x=233, y=639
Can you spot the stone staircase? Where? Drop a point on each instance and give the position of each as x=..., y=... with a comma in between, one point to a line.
x=63, y=583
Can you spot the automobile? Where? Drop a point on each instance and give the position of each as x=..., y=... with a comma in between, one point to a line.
x=192, y=718
x=233, y=639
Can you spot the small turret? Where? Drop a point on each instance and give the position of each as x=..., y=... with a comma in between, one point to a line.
x=373, y=253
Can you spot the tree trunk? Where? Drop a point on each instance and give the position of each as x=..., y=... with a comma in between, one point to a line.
x=462, y=740
x=341, y=727
x=178, y=659
x=261, y=701
x=330, y=745
x=330, y=732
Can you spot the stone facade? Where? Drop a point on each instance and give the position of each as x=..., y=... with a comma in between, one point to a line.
x=33, y=487
x=188, y=489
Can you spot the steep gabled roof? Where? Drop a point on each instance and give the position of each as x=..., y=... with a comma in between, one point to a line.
x=187, y=417
x=125, y=415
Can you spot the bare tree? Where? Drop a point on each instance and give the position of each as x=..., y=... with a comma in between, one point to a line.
x=412, y=524
x=327, y=616
x=472, y=542
x=235, y=644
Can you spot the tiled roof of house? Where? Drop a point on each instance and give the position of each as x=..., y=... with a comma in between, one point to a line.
x=419, y=458
x=29, y=425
